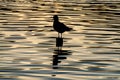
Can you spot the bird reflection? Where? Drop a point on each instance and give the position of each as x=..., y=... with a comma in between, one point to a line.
x=59, y=54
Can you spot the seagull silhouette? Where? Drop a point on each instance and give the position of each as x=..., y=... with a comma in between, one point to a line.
x=59, y=27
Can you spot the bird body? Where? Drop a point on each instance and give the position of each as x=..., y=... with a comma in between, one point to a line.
x=60, y=27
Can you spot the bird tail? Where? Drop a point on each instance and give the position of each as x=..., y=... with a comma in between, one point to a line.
x=69, y=29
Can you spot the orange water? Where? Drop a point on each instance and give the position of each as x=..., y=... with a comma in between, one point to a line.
x=28, y=42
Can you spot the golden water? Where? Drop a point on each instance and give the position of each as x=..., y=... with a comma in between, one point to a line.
x=28, y=42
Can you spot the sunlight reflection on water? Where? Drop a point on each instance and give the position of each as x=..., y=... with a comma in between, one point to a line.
x=28, y=42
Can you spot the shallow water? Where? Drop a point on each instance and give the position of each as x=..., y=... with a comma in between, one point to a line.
x=28, y=42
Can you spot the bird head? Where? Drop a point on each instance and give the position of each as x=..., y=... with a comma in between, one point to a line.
x=55, y=17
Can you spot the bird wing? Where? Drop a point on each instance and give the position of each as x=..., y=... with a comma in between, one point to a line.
x=65, y=27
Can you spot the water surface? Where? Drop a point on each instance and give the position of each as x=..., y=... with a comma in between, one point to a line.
x=28, y=42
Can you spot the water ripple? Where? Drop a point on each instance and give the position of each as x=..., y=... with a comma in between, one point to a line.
x=28, y=42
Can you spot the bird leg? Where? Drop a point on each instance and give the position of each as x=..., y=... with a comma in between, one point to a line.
x=58, y=35
x=61, y=35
